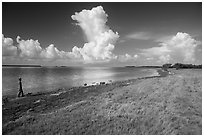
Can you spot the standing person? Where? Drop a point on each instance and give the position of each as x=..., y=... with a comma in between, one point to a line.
x=20, y=93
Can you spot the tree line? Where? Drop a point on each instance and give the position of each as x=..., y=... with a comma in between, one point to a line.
x=182, y=66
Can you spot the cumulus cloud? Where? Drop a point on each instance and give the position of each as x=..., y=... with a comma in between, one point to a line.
x=8, y=49
x=179, y=48
x=51, y=52
x=127, y=58
x=31, y=49
x=99, y=46
x=100, y=38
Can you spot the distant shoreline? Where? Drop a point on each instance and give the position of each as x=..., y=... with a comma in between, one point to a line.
x=78, y=66
x=177, y=66
x=21, y=66
x=143, y=66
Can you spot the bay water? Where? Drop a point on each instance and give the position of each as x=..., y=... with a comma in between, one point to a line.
x=44, y=79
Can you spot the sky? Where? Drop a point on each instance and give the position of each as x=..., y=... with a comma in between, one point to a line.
x=101, y=34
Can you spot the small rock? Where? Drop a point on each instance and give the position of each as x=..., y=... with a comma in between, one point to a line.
x=102, y=83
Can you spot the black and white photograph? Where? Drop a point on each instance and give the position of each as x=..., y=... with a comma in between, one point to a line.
x=101, y=68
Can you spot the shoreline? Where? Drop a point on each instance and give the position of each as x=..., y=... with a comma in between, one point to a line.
x=159, y=73
x=74, y=101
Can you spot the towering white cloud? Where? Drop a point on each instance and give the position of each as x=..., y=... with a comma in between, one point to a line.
x=99, y=47
x=179, y=48
x=100, y=38
x=8, y=49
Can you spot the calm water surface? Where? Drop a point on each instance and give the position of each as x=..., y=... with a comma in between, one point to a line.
x=45, y=79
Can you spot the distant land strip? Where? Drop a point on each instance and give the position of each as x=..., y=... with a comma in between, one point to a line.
x=21, y=66
x=144, y=66
x=164, y=66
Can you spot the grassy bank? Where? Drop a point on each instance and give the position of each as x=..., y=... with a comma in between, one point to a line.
x=154, y=105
